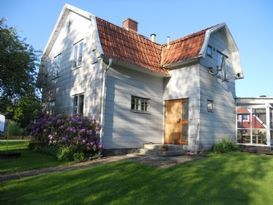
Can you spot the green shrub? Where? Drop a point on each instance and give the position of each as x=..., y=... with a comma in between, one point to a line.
x=14, y=129
x=65, y=154
x=225, y=145
x=78, y=156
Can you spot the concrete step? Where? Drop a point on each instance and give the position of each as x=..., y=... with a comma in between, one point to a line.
x=163, y=150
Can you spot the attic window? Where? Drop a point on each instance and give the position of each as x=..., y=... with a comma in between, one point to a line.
x=78, y=54
x=209, y=51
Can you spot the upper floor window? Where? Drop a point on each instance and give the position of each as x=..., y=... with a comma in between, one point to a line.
x=78, y=103
x=78, y=53
x=209, y=51
x=55, y=66
x=140, y=104
x=51, y=107
x=219, y=58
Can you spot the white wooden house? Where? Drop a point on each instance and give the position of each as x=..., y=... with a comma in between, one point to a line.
x=181, y=92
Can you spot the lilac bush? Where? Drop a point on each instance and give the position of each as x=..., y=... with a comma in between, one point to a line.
x=79, y=133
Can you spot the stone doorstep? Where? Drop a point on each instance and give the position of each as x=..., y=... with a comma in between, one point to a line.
x=163, y=149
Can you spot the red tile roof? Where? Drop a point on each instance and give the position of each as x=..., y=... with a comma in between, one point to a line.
x=184, y=48
x=133, y=48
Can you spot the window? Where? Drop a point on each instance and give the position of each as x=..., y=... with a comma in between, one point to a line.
x=219, y=59
x=140, y=104
x=78, y=53
x=245, y=117
x=51, y=107
x=56, y=65
x=210, y=105
x=78, y=103
x=209, y=51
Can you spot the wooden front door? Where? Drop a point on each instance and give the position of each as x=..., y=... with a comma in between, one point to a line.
x=176, y=121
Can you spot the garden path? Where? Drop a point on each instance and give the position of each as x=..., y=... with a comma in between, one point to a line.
x=162, y=162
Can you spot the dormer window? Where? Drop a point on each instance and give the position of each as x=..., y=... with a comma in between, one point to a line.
x=78, y=53
x=209, y=51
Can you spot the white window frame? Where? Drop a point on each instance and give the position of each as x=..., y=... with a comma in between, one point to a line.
x=210, y=105
x=251, y=129
x=78, y=53
x=78, y=109
x=51, y=107
x=56, y=66
x=140, y=104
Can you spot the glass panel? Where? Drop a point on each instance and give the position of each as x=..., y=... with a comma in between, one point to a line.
x=271, y=118
x=142, y=105
x=243, y=135
x=210, y=105
x=81, y=104
x=243, y=121
x=75, y=55
x=259, y=136
x=209, y=51
x=133, y=103
x=75, y=105
x=80, y=54
x=259, y=118
x=219, y=59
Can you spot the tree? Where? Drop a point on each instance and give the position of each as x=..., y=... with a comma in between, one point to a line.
x=18, y=74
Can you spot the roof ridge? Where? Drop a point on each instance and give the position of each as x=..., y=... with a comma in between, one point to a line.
x=131, y=32
x=194, y=34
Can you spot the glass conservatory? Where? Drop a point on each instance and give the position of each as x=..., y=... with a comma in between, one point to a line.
x=255, y=121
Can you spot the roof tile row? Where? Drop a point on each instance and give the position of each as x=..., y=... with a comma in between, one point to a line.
x=133, y=48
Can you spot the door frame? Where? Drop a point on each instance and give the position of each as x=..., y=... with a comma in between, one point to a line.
x=164, y=121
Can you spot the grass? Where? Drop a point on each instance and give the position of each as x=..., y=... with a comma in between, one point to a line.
x=232, y=178
x=28, y=160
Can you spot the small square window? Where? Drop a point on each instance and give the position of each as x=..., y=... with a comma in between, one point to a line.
x=210, y=105
x=140, y=104
x=209, y=51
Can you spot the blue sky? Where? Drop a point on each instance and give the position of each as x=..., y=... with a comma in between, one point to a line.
x=250, y=22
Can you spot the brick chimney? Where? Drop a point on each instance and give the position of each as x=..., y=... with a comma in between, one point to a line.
x=130, y=25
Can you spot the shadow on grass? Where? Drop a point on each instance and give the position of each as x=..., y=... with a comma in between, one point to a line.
x=235, y=178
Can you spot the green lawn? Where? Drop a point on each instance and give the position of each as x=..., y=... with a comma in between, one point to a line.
x=28, y=160
x=234, y=178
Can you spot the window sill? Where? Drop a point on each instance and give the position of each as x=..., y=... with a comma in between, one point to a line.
x=141, y=112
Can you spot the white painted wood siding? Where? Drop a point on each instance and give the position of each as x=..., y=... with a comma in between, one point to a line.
x=84, y=79
x=185, y=83
x=124, y=128
x=221, y=123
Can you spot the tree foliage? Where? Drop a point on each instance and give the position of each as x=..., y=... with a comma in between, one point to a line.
x=18, y=73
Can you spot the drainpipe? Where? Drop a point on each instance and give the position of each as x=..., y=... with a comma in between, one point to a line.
x=103, y=95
